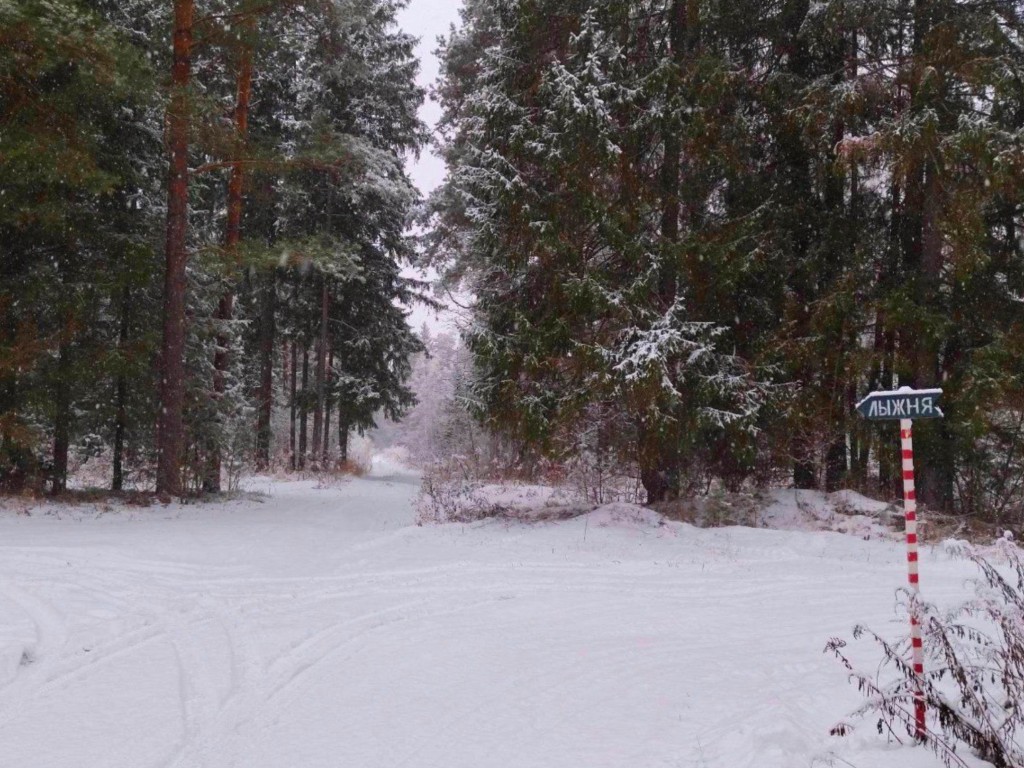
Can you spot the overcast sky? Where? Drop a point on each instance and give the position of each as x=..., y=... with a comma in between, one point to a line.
x=426, y=19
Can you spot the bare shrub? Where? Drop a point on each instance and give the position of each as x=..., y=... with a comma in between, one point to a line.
x=716, y=508
x=601, y=478
x=448, y=492
x=456, y=490
x=351, y=467
x=974, y=668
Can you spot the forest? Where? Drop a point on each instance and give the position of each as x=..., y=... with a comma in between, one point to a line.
x=697, y=233
x=203, y=210
x=583, y=449
x=694, y=234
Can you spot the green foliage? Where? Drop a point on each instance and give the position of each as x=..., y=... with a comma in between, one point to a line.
x=827, y=194
x=75, y=102
x=82, y=174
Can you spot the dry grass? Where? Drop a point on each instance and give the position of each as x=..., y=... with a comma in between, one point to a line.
x=351, y=467
x=715, y=510
x=76, y=497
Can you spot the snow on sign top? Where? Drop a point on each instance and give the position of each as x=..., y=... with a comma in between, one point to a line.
x=902, y=403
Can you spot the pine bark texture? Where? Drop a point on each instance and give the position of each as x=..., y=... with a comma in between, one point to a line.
x=321, y=369
x=121, y=398
x=293, y=408
x=328, y=402
x=62, y=421
x=303, y=408
x=342, y=440
x=172, y=353
x=265, y=396
x=659, y=457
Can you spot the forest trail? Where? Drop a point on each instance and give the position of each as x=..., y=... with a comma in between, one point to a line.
x=317, y=626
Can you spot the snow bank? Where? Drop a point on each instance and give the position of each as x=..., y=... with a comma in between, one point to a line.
x=622, y=515
x=464, y=501
x=842, y=511
x=461, y=500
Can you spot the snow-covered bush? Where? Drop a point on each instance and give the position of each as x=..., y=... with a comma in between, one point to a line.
x=595, y=465
x=600, y=478
x=455, y=490
x=990, y=483
x=447, y=492
x=974, y=667
x=359, y=458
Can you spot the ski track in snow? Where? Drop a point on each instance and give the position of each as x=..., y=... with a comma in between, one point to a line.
x=320, y=628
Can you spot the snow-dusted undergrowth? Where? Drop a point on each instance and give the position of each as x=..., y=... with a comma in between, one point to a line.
x=319, y=627
x=450, y=497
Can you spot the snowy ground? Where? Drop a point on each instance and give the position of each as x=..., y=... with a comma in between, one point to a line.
x=317, y=627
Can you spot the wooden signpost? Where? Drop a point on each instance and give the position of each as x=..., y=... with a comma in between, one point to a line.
x=907, y=404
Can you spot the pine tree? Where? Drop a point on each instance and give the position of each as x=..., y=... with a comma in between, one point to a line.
x=808, y=199
x=562, y=205
x=304, y=175
x=75, y=103
x=340, y=202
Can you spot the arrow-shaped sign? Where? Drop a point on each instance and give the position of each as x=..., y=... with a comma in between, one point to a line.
x=903, y=403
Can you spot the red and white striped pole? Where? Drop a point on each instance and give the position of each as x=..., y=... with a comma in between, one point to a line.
x=910, y=508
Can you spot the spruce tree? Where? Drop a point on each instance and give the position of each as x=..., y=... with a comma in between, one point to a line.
x=75, y=103
x=809, y=200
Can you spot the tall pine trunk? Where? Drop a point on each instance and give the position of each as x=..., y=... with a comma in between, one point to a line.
x=923, y=259
x=62, y=420
x=837, y=455
x=860, y=436
x=303, y=406
x=265, y=396
x=293, y=408
x=327, y=413
x=890, y=481
x=936, y=470
x=170, y=439
x=342, y=438
x=121, y=397
x=321, y=372
x=659, y=466
x=659, y=457
x=232, y=237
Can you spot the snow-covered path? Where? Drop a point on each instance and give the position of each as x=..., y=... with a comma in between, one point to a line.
x=318, y=627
